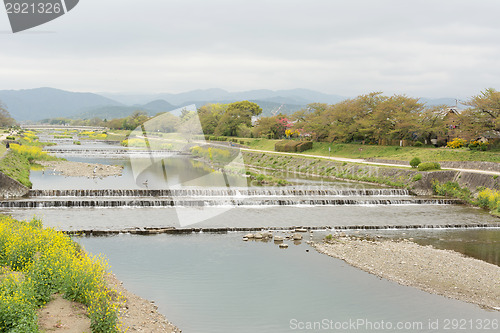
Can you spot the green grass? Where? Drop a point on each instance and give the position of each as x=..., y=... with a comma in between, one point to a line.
x=117, y=135
x=3, y=149
x=261, y=144
x=350, y=150
x=16, y=166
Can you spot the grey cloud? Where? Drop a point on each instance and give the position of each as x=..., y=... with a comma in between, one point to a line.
x=431, y=48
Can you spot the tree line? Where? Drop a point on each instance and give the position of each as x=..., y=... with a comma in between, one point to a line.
x=370, y=118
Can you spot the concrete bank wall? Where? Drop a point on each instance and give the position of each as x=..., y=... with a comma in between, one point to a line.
x=402, y=177
x=11, y=188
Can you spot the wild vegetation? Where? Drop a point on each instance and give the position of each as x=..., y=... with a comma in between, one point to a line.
x=485, y=197
x=16, y=166
x=19, y=160
x=38, y=262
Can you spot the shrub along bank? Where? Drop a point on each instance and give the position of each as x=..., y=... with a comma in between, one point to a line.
x=39, y=262
x=292, y=146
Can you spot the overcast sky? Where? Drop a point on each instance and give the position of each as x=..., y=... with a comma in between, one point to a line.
x=439, y=48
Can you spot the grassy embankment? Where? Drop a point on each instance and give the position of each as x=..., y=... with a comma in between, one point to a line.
x=20, y=159
x=351, y=150
x=219, y=157
x=486, y=198
x=35, y=264
x=117, y=135
x=285, y=165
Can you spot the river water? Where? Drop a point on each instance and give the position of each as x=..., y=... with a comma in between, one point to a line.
x=207, y=282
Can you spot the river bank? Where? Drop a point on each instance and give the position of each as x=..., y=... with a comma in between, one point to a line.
x=419, y=182
x=441, y=272
x=80, y=169
x=137, y=314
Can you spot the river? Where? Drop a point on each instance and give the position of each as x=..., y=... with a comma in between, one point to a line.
x=215, y=282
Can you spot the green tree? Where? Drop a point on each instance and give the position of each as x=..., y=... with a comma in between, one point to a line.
x=431, y=123
x=246, y=107
x=210, y=115
x=5, y=117
x=315, y=119
x=484, y=112
x=271, y=127
x=237, y=113
x=163, y=122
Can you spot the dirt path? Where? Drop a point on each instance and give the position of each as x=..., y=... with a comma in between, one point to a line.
x=61, y=315
x=135, y=313
x=441, y=272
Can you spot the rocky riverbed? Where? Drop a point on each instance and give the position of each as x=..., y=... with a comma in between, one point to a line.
x=138, y=314
x=80, y=169
x=441, y=272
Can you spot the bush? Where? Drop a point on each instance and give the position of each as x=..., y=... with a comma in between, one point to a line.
x=478, y=145
x=415, y=162
x=428, y=166
x=292, y=146
x=452, y=189
x=418, y=144
x=417, y=177
x=31, y=152
x=488, y=198
x=304, y=145
x=456, y=143
x=11, y=138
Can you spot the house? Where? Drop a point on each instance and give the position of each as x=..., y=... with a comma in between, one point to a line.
x=452, y=123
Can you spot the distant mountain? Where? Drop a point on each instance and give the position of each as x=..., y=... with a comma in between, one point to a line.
x=159, y=105
x=110, y=112
x=294, y=96
x=268, y=108
x=43, y=103
x=440, y=101
x=39, y=103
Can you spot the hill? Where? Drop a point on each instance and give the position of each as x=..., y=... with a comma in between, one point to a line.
x=293, y=96
x=43, y=103
x=35, y=104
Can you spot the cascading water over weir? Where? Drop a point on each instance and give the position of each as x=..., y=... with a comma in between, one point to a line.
x=213, y=197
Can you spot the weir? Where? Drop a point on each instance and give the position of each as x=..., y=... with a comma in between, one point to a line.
x=223, y=192
x=184, y=202
x=112, y=152
x=180, y=231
